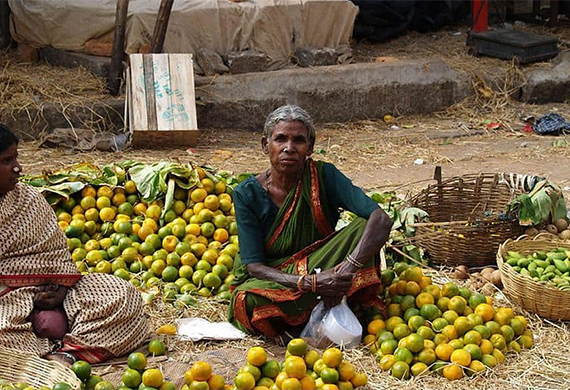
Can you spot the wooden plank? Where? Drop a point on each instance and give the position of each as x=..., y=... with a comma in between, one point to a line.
x=150, y=88
x=137, y=94
x=183, y=99
x=162, y=92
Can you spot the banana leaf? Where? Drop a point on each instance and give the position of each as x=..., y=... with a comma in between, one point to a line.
x=409, y=216
x=152, y=180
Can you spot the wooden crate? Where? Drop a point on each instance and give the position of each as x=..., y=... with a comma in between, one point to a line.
x=160, y=100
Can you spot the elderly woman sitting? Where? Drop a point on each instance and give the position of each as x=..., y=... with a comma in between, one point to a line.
x=47, y=306
x=286, y=218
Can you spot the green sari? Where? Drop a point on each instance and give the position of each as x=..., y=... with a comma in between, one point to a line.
x=300, y=241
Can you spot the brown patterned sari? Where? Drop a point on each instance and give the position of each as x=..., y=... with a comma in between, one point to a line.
x=105, y=313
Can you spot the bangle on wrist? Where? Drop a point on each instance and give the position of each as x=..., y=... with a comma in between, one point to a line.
x=314, y=283
x=351, y=260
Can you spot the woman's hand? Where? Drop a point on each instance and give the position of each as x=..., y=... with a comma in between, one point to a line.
x=49, y=296
x=335, y=284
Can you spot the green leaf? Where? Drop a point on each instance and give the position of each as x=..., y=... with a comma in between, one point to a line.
x=410, y=216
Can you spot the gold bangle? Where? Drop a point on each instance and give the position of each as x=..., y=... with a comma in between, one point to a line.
x=300, y=282
x=314, y=283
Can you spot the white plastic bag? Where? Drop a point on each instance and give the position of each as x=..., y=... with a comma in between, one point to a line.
x=337, y=325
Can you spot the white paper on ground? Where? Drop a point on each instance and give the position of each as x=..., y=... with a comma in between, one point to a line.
x=200, y=329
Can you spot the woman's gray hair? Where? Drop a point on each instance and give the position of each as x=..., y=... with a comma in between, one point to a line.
x=289, y=113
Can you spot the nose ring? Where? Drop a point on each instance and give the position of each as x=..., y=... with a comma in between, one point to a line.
x=16, y=169
x=286, y=150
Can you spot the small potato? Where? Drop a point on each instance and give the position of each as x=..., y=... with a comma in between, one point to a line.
x=496, y=278
x=462, y=272
x=486, y=273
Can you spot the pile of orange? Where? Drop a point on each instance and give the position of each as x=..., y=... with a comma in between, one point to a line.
x=447, y=329
x=303, y=369
x=186, y=246
x=138, y=375
x=201, y=377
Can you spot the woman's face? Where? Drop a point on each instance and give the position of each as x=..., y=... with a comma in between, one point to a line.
x=288, y=147
x=9, y=169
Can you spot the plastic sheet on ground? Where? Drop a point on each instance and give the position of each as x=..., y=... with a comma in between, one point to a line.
x=196, y=329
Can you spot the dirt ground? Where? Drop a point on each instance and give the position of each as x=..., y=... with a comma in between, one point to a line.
x=379, y=155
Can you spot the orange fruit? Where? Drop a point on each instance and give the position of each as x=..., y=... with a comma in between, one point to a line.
x=376, y=326
x=486, y=347
x=212, y=202
x=345, y=371
x=329, y=375
x=137, y=361
x=400, y=370
x=419, y=368
x=457, y=304
x=201, y=371
x=476, y=367
x=156, y=347
x=295, y=367
x=332, y=357
x=253, y=370
x=297, y=347
x=433, y=290
x=486, y=311
x=424, y=298
x=291, y=384
x=449, y=290
x=359, y=379
x=489, y=360
x=452, y=372
x=427, y=356
x=152, y=377
x=244, y=381
x=461, y=357
x=462, y=325
x=256, y=356
x=131, y=378
x=412, y=288
x=270, y=369
x=444, y=351
x=308, y=383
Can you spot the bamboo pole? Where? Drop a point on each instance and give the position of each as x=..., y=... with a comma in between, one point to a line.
x=116, y=69
x=161, y=26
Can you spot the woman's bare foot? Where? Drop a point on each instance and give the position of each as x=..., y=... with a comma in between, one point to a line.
x=65, y=358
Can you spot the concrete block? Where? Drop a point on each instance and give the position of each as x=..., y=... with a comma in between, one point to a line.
x=331, y=93
x=98, y=65
x=548, y=85
x=27, y=53
x=248, y=61
x=315, y=56
x=211, y=62
x=97, y=47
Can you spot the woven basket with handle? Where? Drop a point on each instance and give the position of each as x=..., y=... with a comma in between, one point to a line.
x=467, y=220
x=545, y=300
x=19, y=366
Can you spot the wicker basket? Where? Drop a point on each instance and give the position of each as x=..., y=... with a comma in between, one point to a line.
x=464, y=227
x=18, y=366
x=542, y=299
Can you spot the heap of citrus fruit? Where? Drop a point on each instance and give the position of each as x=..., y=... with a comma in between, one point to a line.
x=303, y=369
x=201, y=377
x=7, y=385
x=89, y=381
x=139, y=376
x=447, y=329
x=188, y=248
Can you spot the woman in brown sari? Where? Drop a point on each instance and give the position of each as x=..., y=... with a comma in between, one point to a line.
x=47, y=306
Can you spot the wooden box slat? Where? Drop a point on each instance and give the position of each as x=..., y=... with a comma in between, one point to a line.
x=161, y=100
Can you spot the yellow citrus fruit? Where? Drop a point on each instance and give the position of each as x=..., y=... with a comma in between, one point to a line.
x=418, y=369
x=486, y=347
x=444, y=351
x=452, y=372
x=137, y=361
x=156, y=347
x=244, y=381
x=332, y=357
x=131, y=378
x=461, y=357
x=486, y=311
x=152, y=377
x=256, y=356
x=201, y=371
x=400, y=370
x=359, y=379
x=291, y=384
x=297, y=347
x=376, y=326
x=295, y=367
x=345, y=371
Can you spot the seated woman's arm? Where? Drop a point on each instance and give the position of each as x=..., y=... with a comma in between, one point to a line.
x=327, y=283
